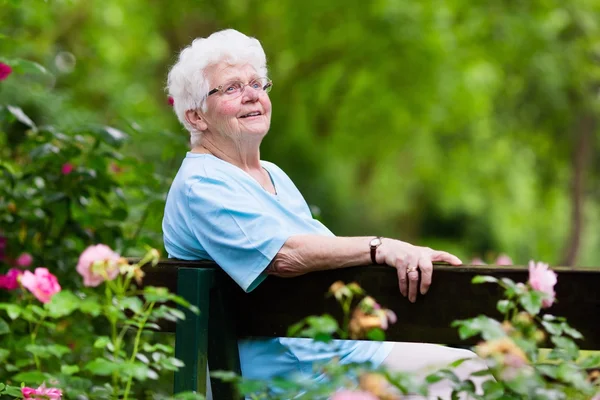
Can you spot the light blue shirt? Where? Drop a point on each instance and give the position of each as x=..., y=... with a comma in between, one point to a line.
x=216, y=211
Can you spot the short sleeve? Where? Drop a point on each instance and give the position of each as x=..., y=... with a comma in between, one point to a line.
x=235, y=230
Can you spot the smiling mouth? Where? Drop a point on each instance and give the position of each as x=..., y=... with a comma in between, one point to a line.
x=252, y=114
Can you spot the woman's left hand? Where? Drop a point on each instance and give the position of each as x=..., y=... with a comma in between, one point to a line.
x=408, y=260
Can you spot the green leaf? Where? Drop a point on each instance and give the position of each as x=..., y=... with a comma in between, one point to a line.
x=188, y=396
x=110, y=135
x=483, y=279
x=567, y=345
x=325, y=323
x=12, y=310
x=459, y=362
x=570, y=373
x=156, y=294
x=21, y=116
x=4, y=328
x=574, y=333
x=552, y=328
x=323, y=337
x=440, y=375
x=4, y=353
x=132, y=303
x=177, y=314
x=46, y=351
x=62, y=304
x=158, y=346
x=296, y=328
x=39, y=311
x=376, y=334
x=102, y=342
x=102, y=367
x=138, y=370
x=90, y=306
x=13, y=391
x=43, y=151
x=176, y=362
x=504, y=305
x=547, y=370
x=29, y=67
x=532, y=301
x=225, y=376
x=592, y=361
x=33, y=377
x=487, y=327
x=69, y=369
x=493, y=390
x=2, y=386
x=549, y=317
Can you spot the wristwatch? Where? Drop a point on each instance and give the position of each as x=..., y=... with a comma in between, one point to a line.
x=374, y=244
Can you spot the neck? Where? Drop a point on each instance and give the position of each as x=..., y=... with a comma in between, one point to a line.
x=243, y=154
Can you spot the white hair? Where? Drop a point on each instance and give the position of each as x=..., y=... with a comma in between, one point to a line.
x=187, y=83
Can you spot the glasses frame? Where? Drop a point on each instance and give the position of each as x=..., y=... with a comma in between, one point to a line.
x=267, y=87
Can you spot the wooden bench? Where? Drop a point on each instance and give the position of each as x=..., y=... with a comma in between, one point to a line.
x=227, y=313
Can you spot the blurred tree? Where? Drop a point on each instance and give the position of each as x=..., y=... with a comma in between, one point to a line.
x=467, y=126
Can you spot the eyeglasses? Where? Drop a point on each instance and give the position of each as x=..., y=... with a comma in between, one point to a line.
x=234, y=89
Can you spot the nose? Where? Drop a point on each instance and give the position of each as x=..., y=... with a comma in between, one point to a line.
x=250, y=93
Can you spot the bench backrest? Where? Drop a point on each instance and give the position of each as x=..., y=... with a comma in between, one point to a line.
x=278, y=303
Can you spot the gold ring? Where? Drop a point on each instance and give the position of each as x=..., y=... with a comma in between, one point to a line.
x=411, y=269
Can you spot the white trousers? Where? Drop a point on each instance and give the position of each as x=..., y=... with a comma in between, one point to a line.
x=423, y=359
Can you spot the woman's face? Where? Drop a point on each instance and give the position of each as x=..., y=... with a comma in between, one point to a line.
x=230, y=116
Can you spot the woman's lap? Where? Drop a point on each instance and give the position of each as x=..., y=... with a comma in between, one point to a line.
x=425, y=358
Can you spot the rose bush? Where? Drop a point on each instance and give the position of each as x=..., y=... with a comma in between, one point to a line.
x=73, y=316
x=112, y=364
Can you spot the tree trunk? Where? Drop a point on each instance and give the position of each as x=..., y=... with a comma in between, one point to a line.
x=580, y=162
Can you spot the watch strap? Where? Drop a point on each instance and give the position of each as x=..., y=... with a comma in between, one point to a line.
x=374, y=250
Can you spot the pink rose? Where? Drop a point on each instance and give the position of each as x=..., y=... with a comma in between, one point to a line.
x=5, y=71
x=67, y=168
x=24, y=260
x=10, y=281
x=503, y=259
x=97, y=264
x=171, y=101
x=477, y=261
x=543, y=279
x=349, y=395
x=41, y=393
x=43, y=285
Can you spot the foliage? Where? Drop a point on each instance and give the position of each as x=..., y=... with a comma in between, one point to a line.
x=510, y=349
x=62, y=190
x=448, y=124
x=112, y=365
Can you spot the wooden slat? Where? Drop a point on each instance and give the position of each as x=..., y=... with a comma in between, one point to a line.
x=278, y=303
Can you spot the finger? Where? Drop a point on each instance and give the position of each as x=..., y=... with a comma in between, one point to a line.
x=402, y=278
x=426, y=268
x=413, y=279
x=447, y=257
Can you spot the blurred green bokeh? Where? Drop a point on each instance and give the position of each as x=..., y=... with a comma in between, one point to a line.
x=468, y=126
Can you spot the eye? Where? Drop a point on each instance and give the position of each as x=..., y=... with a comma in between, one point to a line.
x=233, y=87
x=256, y=85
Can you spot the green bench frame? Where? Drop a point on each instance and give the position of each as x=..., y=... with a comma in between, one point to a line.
x=227, y=313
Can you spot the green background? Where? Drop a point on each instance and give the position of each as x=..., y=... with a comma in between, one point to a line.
x=469, y=126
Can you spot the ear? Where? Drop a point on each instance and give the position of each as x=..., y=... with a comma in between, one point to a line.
x=195, y=119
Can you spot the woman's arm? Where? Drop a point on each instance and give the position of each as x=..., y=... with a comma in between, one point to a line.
x=305, y=253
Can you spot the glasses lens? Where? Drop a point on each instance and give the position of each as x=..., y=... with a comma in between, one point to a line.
x=233, y=88
x=267, y=85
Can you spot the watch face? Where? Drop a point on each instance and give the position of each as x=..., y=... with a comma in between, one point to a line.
x=375, y=242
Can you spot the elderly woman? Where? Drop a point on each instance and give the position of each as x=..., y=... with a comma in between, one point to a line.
x=246, y=214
